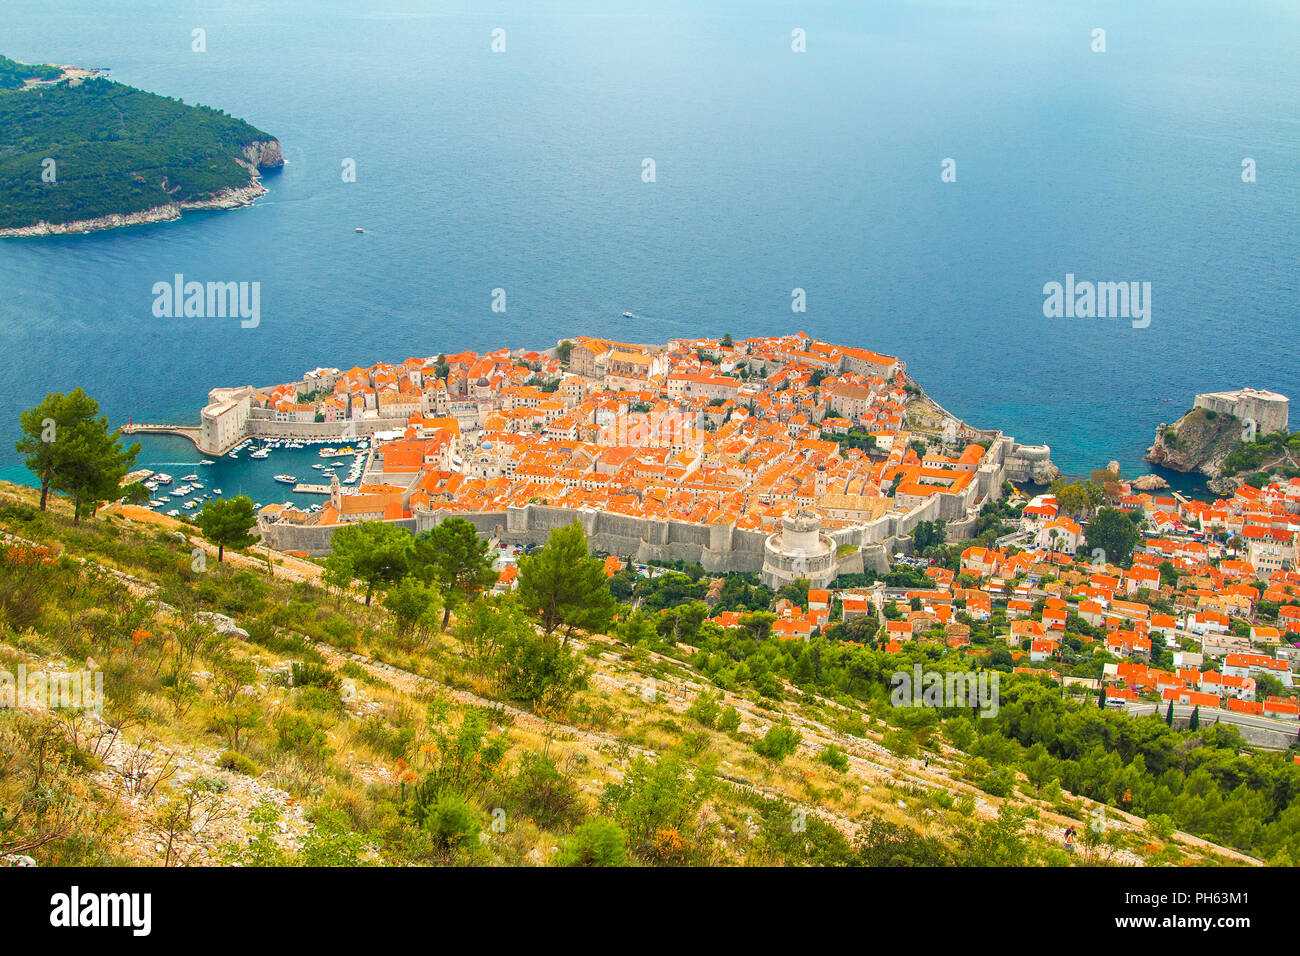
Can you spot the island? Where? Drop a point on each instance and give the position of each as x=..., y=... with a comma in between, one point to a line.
x=79, y=153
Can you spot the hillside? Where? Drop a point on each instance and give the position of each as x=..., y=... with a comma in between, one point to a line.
x=259, y=718
x=119, y=155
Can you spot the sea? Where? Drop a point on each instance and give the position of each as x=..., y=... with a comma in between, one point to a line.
x=920, y=170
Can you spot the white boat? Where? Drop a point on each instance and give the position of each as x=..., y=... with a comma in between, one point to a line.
x=190, y=505
x=260, y=453
x=318, y=465
x=207, y=461
x=190, y=478
x=232, y=455
x=162, y=479
x=287, y=479
x=173, y=513
x=216, y=491
x=180, y=492
x=196, y=484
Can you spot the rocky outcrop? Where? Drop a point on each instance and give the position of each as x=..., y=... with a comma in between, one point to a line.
x=1149, y=483
x=1199, y=441
x=264, y=154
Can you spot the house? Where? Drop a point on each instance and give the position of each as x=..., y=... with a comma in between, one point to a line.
x=1257, y=665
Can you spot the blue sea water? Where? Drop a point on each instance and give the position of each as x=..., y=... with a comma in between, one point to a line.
x=775, y=170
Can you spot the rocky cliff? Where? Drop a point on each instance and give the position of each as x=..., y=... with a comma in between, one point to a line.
x=264, y=154
x=1199, y=441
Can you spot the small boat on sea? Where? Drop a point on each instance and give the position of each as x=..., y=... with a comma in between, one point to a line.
x=260, y=453
x=359, y=229
x=216, y=491
x=162, y=479
x=287, y=479
x=190, y=478
x=207, y=461
x=628, y=315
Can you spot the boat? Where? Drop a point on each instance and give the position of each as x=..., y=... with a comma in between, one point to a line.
x=162, y=479
x=628, y=315
x=327, y=452
x=173, y=513
x=287, y=479
x=318, y=465
x=196, y=484
x=216, y=491
x=232, y=455
x=180, y=492
x=190, y=505
x=359, y=229
x=260, y=453
x=190, y=478
x=207, y=461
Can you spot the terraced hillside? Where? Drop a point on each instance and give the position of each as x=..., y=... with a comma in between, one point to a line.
x=254, y=715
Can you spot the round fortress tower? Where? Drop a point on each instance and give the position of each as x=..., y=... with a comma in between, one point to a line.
x=799, y=550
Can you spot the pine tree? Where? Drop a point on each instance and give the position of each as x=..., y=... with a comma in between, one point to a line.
x=1195, y=723
x=68, y=450
x=456, y=558
x=1169, y=714
x=226, y=523
x=564, y=587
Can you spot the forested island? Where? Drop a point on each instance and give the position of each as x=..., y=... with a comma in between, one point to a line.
x=79, y=152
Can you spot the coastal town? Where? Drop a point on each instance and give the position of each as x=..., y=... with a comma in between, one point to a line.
x=798, y=460
x=698, y=450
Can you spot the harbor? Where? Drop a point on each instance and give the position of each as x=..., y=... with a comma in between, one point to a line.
x=293, y=472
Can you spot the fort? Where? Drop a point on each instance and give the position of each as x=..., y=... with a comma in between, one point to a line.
x=719, y=547
x=1268, y=410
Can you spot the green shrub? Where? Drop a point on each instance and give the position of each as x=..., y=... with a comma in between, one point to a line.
x=597, y=842
x=315, y=675
x=779, y=742
x=233, y=760
x=540, y=790
x=729, y=720
x=705, y=709
x=835, y=758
